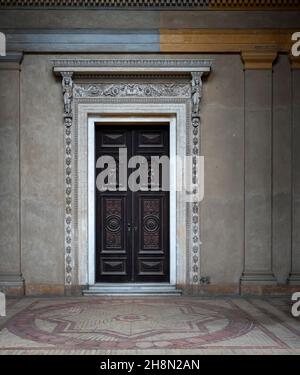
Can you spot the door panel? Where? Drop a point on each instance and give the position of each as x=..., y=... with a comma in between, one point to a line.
x=113, y=216
x=152, y=236
x=113, y=254
x=132, y=228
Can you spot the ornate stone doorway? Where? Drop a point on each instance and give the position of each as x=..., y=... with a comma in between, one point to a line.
x=161, y=88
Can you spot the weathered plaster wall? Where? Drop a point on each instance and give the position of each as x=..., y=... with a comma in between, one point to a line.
x=222, y=140
x=295, y=274
x=9, y=172
x=282, y=172
x=42, y=235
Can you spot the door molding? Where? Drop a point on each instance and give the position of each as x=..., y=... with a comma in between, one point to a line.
x=83, y=225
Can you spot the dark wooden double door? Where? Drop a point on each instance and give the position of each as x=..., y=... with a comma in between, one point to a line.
x=132, y=227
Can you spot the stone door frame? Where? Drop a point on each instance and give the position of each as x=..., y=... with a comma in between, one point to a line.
x=144, y=87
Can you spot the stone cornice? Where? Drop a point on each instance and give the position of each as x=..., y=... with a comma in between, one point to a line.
x=155, y=4
x=150, y=41
x=130, y=66
x=258, y=60
x=225, y=40
x=12, y=61
x=133, y=62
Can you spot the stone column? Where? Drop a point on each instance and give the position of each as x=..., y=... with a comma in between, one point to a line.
x=258, y=270
x=294, y=278
x=11, y=281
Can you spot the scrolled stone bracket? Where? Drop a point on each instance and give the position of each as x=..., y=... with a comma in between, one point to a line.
x=196, y=95
x=67, y=90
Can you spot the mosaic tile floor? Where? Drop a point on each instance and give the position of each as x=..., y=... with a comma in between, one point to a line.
x=149, y=325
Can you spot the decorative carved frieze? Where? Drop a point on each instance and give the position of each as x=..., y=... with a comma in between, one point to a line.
x=131, y=89
x=165, y=4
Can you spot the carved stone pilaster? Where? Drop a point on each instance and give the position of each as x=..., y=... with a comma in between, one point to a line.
x=196, y=94
x=294, y=277
x=67, y=88
x=258, y=156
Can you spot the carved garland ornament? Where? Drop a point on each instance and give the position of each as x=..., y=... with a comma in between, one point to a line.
x=87, y=90
x=196, y=96
x=67, y=88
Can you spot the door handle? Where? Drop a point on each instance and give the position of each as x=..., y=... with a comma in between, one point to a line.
x=129, y=227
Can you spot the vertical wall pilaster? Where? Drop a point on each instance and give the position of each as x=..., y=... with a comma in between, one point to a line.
x=258, y=269
x=294, y=278
x=11, y=280
x=282, y=169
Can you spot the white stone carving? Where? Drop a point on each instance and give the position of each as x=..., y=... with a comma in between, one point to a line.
x=196, y=94
x=131, y=89
x=67, y=88
x=2, y=304
x=135, y=63
x=67, y=85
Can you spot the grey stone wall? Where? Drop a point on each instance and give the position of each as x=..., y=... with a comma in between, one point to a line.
x=295, y=274
x=222, y=144
x=42, y=205
x=282, y=169
x=9, y=174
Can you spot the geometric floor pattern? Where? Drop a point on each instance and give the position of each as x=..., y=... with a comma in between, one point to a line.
x=149, y=325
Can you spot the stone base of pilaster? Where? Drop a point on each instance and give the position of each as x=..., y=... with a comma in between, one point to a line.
x=53, y=290
x=12, y=285
x=268, y=290
x=258, y=278
x=294, y=278
x=257, y=283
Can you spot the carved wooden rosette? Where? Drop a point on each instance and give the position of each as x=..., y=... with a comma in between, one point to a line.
x=196, y=91
x=67, y=88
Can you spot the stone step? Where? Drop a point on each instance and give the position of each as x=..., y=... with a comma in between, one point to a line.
x=132, y=289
